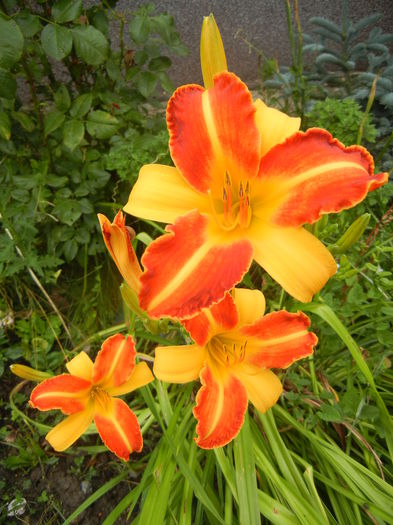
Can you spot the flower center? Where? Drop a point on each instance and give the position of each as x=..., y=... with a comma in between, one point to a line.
x=226, y=353
x=233, y=209
x=101, y=397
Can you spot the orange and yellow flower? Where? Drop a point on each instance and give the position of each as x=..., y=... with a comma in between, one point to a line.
x=235, y=348
x=245, y=181
x=88, y=393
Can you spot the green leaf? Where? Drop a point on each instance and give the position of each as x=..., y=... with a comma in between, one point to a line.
x=146, y=83
x=139, y=29
x=70, y=249
x=29, y=24
x=52, y=121
x=11, y=43
x=73, y=133
x=81, y=105
x=5, y=126
x=56, y=41
x=7, y=84
x=160, y=64
x=101, y=124
x=66, y=10
x=90, y=45
x=62, y=98
x=24, y=120
x=68, y=211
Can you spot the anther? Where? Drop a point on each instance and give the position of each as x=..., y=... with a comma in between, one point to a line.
x=241, y=190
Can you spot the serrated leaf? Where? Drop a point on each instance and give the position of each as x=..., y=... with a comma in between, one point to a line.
x=73, y=133
x=56, y=41
x=52, y=121
x=90, y=44
x=66, y=10
x=29, y=24
x=11, y=43
x=7, y=84
x=146, y=83
x=5, y=126
x=139, y=28
x=101, y=124
x=81, y=105
x=62, y=98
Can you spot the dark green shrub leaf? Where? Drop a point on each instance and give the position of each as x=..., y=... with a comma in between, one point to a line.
x=90, y=45
x=70, y=249
x=29, y=24
x=52, y=121
x=331, y=413
x=62, y=98
x=68, y=211
x=160, y=64
x=146, y=83
x=81, y=105
x=101, y=124
x=5, y=126
x=11, y=43
x=56, y=41
x=66, y=10
x=139, y=29
x=24, y=120
x=7, y=84
x=73, y=133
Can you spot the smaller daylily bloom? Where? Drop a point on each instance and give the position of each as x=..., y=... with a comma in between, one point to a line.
x=117, y=237
x=235, y=347
x=89, y=393
x=213, y=59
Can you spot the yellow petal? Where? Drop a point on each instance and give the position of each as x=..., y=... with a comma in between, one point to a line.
x=262, y=385
x=81, y=366
x=140, y=376
x=161, y=194
x=250, y=305
x=68, y=431
x=296, y=259
x=213, y=59
x=178, y=364
x=273, y=125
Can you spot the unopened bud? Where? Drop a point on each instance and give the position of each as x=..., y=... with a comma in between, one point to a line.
x=213, y=60
x=352, y=235
x=26, y=372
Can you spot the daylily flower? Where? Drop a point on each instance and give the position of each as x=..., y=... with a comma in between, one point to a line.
x=245, y=181
x=117, y=238
x=88, y=393
x=235, y=347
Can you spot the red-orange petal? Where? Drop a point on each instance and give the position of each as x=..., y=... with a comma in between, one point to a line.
x=218, y=318
x=220, y=409
x=119, y=429
x=65, y=392
x=114, y=362
x=311, y=174
x=189, y=268
x=278, y=339
x=214, y=131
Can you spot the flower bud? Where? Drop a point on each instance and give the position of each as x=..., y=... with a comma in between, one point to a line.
x=352, y=235
x=26, y=372
x=213, y=59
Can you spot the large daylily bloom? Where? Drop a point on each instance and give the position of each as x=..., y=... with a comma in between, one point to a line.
x=235, y=347
x=89, y=393
x=245, y=182
x=117, y=238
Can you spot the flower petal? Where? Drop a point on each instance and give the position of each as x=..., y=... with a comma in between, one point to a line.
x=65, y=392
x=263, y=386
x=274, y=125
x=213, y=132
x=296, y=259
x=250, y=305
x=70, y=429
x=118, y=242
x=140, y=376
x=119, y=429
x=191, y=267
x=312, y=174
x=218, y=318
x=81, y=366
x=162, y=194
x=114, y=362
x=279, y=339
x=178, y=364
x=220, y=409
